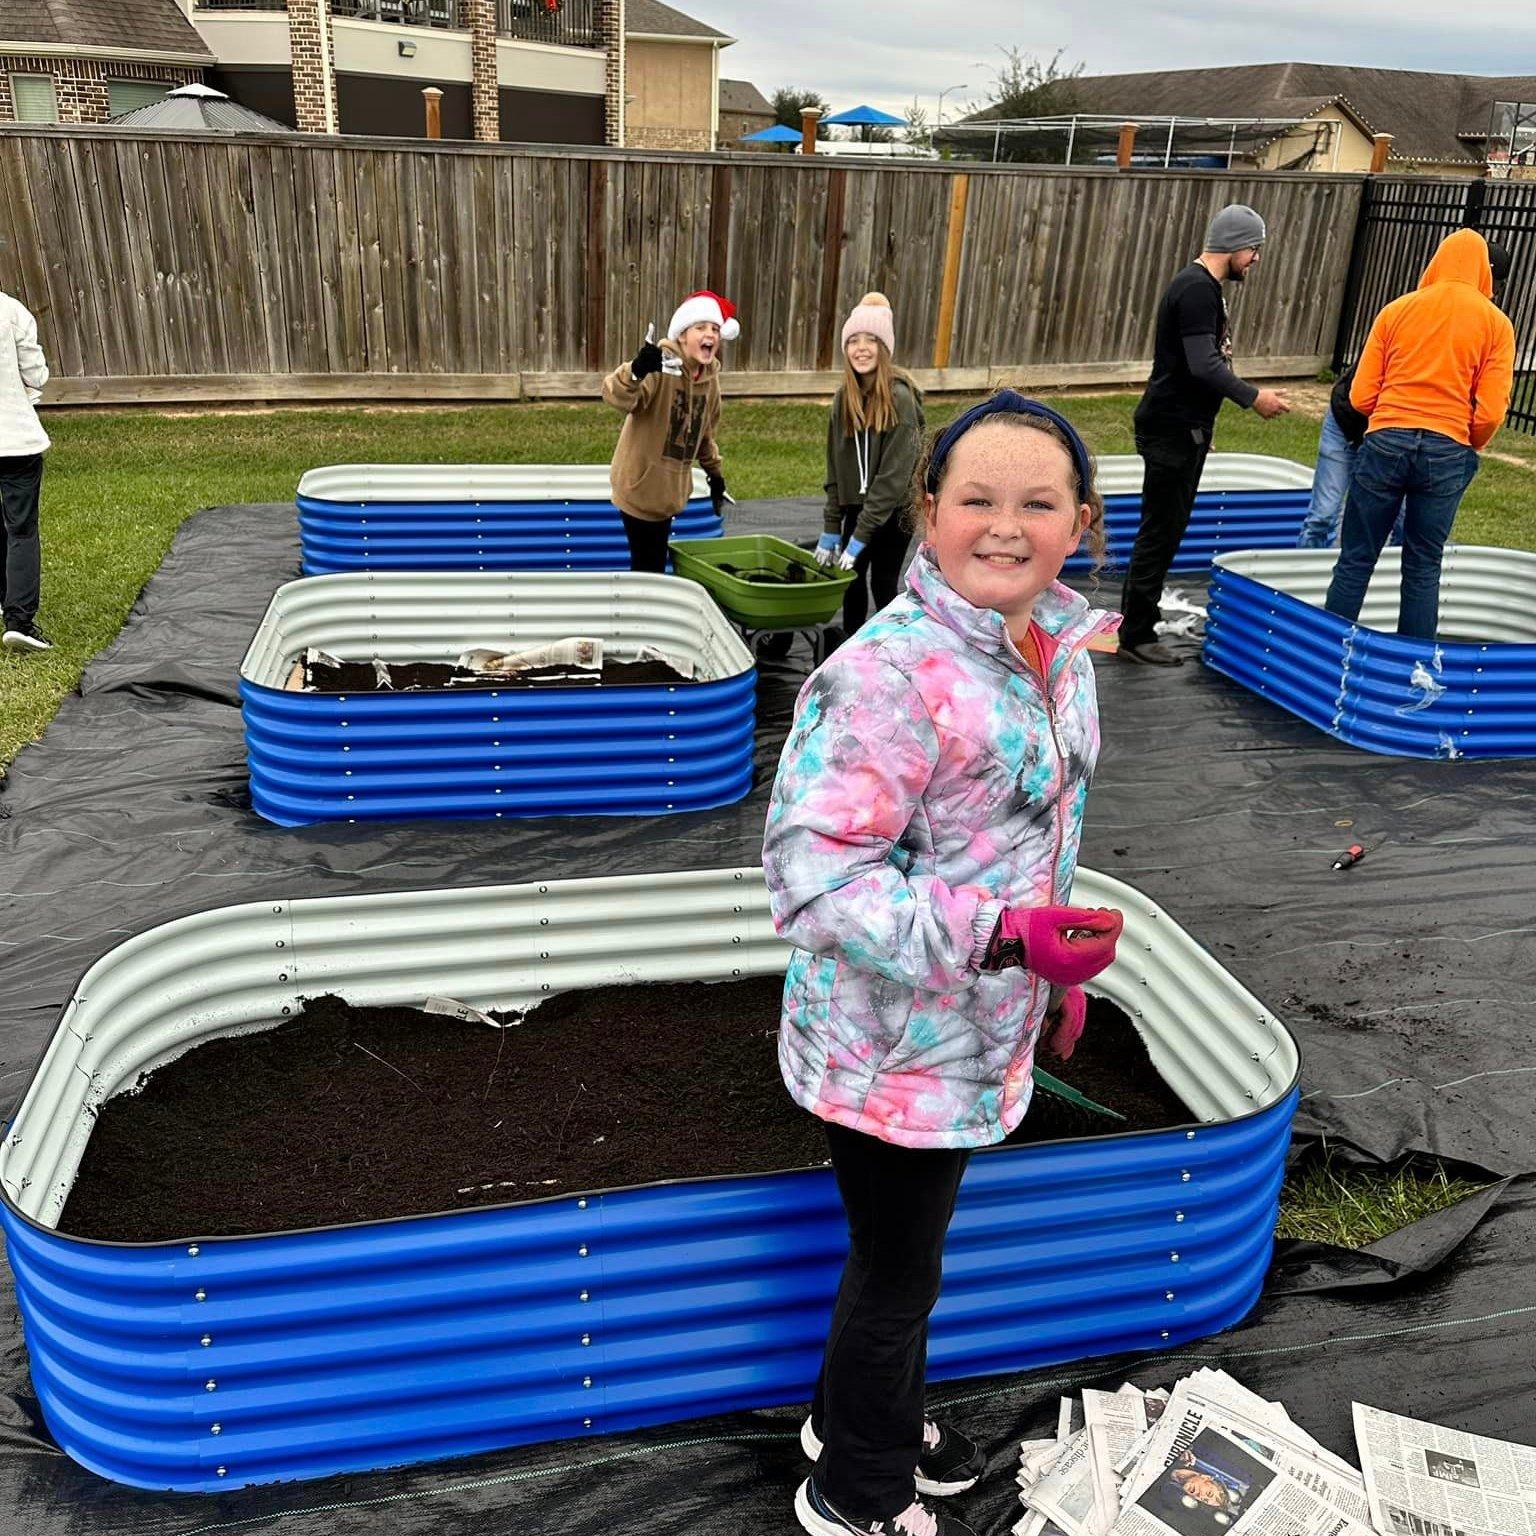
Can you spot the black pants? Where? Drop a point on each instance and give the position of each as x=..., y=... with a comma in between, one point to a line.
x=1172, y=461
x=868, y=1407
x=21, y=564
x=878, y=568
x=647, y=543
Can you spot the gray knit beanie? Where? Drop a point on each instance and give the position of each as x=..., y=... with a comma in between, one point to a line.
x=1236, y=228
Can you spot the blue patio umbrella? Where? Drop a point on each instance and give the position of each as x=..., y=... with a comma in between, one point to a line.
x=778, y=134
x=865, y=117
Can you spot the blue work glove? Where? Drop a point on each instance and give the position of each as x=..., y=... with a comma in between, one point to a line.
x=851, y=554
x=826, y=549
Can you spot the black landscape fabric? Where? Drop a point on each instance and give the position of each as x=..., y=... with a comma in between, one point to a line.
x=1407, y=980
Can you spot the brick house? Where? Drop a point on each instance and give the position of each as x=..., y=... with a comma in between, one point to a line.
x=743, y=110
x=672, y=75
x=83, y=61
x=526, y=71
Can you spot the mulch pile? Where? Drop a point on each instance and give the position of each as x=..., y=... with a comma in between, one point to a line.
x=346, y=1114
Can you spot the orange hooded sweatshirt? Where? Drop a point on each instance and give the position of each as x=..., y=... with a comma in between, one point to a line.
x=1441, y=359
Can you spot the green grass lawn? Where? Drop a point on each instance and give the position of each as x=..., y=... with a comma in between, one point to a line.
x=118, y=485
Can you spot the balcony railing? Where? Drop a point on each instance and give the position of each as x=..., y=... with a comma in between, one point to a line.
x=568, y=23
x=571, y=23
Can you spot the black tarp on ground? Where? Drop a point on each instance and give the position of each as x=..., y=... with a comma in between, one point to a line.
x=1407, y=979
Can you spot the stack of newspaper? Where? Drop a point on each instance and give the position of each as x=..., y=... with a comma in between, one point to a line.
x=1211, y=1458
x=1208, y=1457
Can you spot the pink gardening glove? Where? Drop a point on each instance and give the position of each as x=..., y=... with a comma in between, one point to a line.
x=1064, y=1019
x=1064, y=945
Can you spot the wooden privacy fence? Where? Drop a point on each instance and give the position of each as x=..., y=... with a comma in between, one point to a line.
x=195, y=267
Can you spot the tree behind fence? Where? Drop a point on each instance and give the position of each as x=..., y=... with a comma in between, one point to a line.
x=164, y=267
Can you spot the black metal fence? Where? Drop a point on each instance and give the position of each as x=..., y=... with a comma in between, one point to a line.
x=1402, y=220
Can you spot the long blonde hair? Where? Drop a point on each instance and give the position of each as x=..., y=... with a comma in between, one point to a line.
x=867, y=400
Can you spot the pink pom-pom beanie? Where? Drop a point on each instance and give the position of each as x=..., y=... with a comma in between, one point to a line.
x=872, y=314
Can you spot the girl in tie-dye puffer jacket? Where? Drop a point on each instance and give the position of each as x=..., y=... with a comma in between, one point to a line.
x=921, y=842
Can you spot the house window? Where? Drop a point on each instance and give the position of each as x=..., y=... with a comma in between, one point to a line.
x=129, y=95
x=34, y=99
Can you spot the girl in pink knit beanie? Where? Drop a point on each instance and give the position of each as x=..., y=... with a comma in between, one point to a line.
x=873, y=437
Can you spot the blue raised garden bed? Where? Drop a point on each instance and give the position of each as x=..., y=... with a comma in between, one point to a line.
x=472, y=517
x=1245, y=501
x=1472, y=693
x=625, y=750
x=203, y=1364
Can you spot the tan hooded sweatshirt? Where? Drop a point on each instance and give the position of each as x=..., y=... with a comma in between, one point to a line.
x=671, y=421
x=1442, y=358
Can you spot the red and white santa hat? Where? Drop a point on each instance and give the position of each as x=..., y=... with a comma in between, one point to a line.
x=701, y=306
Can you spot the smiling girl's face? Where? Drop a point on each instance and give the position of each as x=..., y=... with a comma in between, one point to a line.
x=1005, y=518
x=863, y=353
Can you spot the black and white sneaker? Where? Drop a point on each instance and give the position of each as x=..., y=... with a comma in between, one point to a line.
x=949, y=1463
x=917, y=1519
x=25, y=637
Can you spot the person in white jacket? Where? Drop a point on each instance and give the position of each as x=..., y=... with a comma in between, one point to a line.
x=23, y=372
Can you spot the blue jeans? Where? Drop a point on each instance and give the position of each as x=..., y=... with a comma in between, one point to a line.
x=1330, y=486
x=1428, y=472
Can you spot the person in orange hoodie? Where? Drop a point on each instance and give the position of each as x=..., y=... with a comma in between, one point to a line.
x=1434, y=379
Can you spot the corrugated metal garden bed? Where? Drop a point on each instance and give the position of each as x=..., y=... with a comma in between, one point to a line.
x=1472, y=693
x=203, y=1363
x=472, y=517
x=1245, y=501
x=495, y=752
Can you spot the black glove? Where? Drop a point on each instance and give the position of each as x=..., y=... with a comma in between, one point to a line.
x=646, y=361
x=716, y=490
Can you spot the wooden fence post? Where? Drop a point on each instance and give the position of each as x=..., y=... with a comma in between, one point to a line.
x=434, y=99
x=959, y=195
x=809, y=117
x=1126, y=147
x=1381, y=145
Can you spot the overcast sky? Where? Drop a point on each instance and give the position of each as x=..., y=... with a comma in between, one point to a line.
x=885, y=51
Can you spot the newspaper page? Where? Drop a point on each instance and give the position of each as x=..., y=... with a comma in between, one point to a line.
x=1115, y=1421
x=1218, y=1485
x=1080, y=1492
x=1425, y=1480
x=1065, y=1494
x=580, y=651
x=1264, y=1431
x=1215, y=1400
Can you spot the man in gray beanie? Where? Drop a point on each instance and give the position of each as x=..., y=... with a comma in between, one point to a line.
x=1191, y=375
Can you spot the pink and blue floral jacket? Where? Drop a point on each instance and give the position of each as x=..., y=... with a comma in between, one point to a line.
x=927, y=782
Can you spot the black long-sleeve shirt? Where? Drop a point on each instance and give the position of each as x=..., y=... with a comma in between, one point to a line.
x=1191, y=357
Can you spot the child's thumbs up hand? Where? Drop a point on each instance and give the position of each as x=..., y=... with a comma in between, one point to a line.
x=648, y=359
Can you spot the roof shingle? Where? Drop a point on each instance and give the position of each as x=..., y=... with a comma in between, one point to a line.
x=1426, y=113
x=743, y=97
x=651, y=16
x=145, y=26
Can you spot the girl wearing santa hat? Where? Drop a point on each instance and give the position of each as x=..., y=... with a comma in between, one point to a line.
x=670, y=395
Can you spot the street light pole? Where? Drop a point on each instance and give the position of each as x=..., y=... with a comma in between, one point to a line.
x=942, y=94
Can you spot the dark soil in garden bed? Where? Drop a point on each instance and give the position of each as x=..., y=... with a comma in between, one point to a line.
x=405, y=676
x=349, y=1114
x=791, y=576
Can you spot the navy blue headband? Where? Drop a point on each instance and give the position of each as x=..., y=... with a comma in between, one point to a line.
x=1007, y=402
